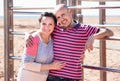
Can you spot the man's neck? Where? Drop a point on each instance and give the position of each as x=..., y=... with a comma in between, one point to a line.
x=72, y=24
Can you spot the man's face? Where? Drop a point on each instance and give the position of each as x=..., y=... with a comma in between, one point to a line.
x=64, y=17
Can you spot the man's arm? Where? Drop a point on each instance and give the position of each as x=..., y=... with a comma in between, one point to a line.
x=102, y=33
x=28, y=38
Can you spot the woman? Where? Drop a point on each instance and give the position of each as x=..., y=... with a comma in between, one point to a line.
x=37, y=60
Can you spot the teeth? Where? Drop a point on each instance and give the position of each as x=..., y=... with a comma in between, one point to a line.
x=47, y=31
x=64, y=21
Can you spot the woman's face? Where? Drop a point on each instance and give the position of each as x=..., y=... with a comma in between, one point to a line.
x=47, y=25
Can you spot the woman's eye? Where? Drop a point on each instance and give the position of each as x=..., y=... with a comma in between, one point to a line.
x=51, y=24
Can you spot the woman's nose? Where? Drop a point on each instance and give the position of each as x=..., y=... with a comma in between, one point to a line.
x=47, y=26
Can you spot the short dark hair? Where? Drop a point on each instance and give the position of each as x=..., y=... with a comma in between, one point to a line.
x=48, y=14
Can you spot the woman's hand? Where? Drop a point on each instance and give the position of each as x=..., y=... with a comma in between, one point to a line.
x=57, y=65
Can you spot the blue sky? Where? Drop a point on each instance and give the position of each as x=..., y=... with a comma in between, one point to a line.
x=50, y=3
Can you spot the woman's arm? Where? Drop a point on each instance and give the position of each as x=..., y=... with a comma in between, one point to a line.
x=33, y=66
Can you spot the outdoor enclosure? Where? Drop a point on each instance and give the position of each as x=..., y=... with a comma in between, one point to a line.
x=9, y=33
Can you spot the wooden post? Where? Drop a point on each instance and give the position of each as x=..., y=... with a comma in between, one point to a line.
x=79, y=17
x=61, y=1
x=102, y=20
x=8, y=41
x=78, y=12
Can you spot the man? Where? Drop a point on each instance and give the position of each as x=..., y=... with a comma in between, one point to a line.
x=69, y=44
x=71, y=39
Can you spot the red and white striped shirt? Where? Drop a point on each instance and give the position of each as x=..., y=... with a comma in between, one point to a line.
x=69, y=46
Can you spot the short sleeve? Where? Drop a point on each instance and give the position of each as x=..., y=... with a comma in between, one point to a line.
x=91, y=30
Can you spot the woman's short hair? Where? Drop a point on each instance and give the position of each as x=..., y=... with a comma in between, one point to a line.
x=48, y=14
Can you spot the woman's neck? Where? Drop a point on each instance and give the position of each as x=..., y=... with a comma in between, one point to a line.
x=45, y=38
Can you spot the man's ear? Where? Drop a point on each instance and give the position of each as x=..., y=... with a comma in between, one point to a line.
x=70, y=11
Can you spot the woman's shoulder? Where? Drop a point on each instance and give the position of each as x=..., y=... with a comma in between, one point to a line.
x=35, y=35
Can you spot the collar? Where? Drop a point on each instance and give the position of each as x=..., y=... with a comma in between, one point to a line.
x=72, y=28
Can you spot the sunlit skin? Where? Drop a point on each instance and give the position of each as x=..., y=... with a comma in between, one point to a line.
x=65, y=20
x=47, y=26
x=64, y=17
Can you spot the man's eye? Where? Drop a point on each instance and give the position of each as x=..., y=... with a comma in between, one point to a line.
x=58, y=17
x=63, y=15
x=50, y=24
x=43, y=23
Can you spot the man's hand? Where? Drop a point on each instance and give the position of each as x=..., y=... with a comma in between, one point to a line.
x=89, y=43
x=28, y=39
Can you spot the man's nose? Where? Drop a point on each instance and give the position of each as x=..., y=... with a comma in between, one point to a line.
x=61, y=18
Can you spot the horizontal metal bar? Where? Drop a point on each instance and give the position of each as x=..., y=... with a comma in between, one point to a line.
x=106, y=25
x=17, y=33
x=72, y=7
x=95, y=7
x=31, y=8
x=101, y=68
x=23, y=12
x=101, y=0
x=111, y=38
x=16, y=57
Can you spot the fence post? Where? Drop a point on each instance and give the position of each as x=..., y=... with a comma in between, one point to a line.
x=79, y=15
x=102, y=20
x=61, y=1
x=8, y=41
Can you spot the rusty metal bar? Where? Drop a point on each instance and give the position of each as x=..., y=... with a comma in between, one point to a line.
x=106, y=25
x=17, y=33
x=101, y=68
x=95, y=7
x=79, y=12
x=8, y=41
x=24, y=12
x=111, y=38
x=16, y=57
x=72, y=7
x=102, y=20
x=29, y=8
x=101, y=0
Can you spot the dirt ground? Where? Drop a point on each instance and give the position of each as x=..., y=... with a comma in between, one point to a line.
x=92, y=58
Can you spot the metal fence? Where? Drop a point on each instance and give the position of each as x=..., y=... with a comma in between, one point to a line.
x=73, y=4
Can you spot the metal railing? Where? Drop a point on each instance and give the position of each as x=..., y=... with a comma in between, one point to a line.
x=9, y=35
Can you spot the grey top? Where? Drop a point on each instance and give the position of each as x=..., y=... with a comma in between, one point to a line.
x=31, y=65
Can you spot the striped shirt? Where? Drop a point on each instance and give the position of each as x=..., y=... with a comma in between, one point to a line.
x=69, y=46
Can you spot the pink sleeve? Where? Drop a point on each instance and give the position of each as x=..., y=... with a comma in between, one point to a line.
x=32, y=50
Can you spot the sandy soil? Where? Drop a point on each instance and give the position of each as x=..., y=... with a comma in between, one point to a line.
x=92, y=58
